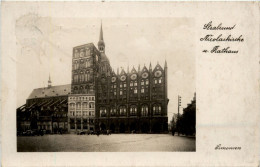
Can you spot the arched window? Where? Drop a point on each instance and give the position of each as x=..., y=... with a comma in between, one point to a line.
x=103, y=111
x=72, y=105
x=112, y=112
x=81, y=77
x=157, y=109
x=87, y=76
x=122, y=110
x=133, y=110
x=144, y=110
x=76, y=78
x=87, y=63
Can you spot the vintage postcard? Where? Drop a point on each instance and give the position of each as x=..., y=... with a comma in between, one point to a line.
x=130, y=83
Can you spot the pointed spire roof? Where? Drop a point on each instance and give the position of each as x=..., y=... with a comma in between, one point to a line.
x=49, y=81
x=101, y=33
x=101, y=39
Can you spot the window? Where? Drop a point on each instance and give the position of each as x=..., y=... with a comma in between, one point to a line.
x=160, y=80
x=78, y=105
x=91, y=105
x=135, y=83
x=144, y=110
x=103, y=111
x=142, y=82
x=121, y=85
x=147, y=82
x=122, y=110
x=85, y=105
x=75, y=78
x=87, y=63
x=124, y=84
x=112, y=112
x=72, y=105
x=135, y=91
x=87, y=76
x=131, y=83
x=114, y=85
x=133, y=110
x=142, y=90
x=121, y=92
x=157, y=109
x=81, y=77
x=114, y=93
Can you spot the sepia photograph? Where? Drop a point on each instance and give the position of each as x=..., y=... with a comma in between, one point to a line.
x=130, y=83
x=105, y=84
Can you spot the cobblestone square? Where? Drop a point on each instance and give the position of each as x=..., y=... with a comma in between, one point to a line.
x=106, y=143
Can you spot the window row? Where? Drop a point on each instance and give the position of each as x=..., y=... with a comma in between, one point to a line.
x=82, y=64
x=156, y=110
x=84, y=105
x=82, y=77
x=83, y=98
x=83, y=113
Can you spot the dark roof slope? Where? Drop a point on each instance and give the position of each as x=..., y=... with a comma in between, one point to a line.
x=60, y=90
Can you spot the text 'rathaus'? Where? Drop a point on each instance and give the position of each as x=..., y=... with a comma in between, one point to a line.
x=99, y=98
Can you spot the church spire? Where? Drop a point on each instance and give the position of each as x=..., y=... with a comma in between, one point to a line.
x=101, y=33
x=101, y=43
x=49, y=81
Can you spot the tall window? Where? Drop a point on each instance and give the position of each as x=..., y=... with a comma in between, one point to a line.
x=157, y=109
x=103, y=111
x=147, y=82
x=131, y=83
x=78, y=105
x=81, y=77
x=135, y=91
x=84, y=105
x=144, y=110
x=133, y=110
x=160, y=80
x=87, y=63
x=91, y=105
x=76, y=78
x=142, y=90
x=122, y=110
x=112, y=112
x=72, y=105
x=87, y=76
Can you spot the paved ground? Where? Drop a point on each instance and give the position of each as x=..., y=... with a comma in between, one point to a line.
x=104, y=143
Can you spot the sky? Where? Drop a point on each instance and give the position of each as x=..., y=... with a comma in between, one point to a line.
x=44, y=46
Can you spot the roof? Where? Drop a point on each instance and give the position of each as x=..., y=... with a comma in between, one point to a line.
x=60, y=90
x=104, y=57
